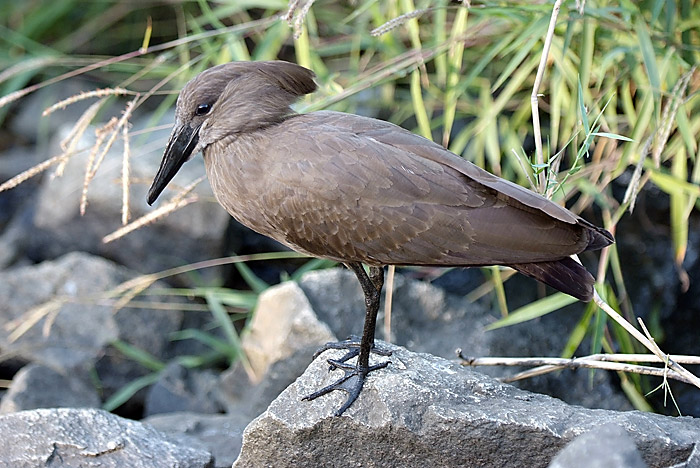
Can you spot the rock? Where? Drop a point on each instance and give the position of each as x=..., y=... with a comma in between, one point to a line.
x=13, y=162
x=89, y=438
x=607, y=446
x=182, y=389
x=67, y=320
x=190, y=234
x=426, y=411
x=37, y=386
x=427, y=319
x=283, y=323
x=221, y=435
x=11, y=241
x=241, y=395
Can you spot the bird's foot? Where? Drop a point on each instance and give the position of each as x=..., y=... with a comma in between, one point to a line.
x=352, y=345
x=355, y=374
x=351, y=383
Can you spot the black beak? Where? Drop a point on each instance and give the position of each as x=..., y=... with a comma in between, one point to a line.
x=182, y=142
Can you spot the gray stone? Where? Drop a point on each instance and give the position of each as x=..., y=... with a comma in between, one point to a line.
x=283, y=323
x=59, y=314
x=182, y=389
x=427, y=319
x=241, y=395
x=37, y=386
x=221, y=435
x=89, y=438
x=606, y=446
x=11, y=241
x=426, y=411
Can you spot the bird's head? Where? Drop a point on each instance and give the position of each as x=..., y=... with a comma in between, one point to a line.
x=229, y=99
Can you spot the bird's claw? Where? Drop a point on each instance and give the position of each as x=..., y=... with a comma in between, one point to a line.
x=355, y=374
x=352, y=344
x=351, y=383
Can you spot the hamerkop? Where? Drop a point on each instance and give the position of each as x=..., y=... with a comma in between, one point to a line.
x=359, y=190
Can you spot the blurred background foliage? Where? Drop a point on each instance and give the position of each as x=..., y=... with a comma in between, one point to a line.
x=619, y=104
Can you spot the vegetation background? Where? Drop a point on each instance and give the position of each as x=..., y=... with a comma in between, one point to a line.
x=618, y=105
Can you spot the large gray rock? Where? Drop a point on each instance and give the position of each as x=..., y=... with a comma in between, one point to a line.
x=606, y=446
x=71, y=321
x=426, y=411
x=36, y=386
x=183, y=389
x=427, y=319
x=219, y=434
x=89, y=438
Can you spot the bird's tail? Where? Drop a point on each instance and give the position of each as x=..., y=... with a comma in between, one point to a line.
x=566, y=275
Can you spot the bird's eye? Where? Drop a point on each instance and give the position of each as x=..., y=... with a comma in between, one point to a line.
x=202, y=109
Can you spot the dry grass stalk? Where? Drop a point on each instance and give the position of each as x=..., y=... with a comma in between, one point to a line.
x=85, y=95
x=69, y=143
x=398, y=21
x=546, y=365
x=100, y=135
x=82, y=124
x=26, y=321
x=388, y=301
x=669, y=115
x=112, y=128
x=635, y=183
x=50, y=319
x=671, y=369
x=125, y=176
x=150, y=217
x=31, y=172
x=660, y=137
x=176, y=203
x=299, y=22
x=131, y=289
x=648, y=342
x=293, y=5
x=8, y=98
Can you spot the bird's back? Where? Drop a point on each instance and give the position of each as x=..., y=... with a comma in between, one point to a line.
x=357, y=189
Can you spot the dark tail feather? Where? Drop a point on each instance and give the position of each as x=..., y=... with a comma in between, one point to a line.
x=566, y=275
x=597, y=237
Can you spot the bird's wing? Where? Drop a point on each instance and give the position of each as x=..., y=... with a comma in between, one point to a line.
x=358, y=189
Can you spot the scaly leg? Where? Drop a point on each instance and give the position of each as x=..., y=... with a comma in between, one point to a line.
x=355, y=375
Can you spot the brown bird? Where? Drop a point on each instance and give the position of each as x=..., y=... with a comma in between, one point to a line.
x=360, y=190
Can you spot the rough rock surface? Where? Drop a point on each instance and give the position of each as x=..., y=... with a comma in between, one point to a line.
x=606, y=446
x=89, y=438
x=426, y=411
x=37, y=386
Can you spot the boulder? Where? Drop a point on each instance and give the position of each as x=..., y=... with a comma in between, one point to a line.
x=36, y=386
x=426, y=411
x=90, y=438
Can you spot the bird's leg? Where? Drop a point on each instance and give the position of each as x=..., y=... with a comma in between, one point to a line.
x=355, y=375
x=373, y=295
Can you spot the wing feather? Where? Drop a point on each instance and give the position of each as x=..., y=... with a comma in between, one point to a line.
x=365, y=190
